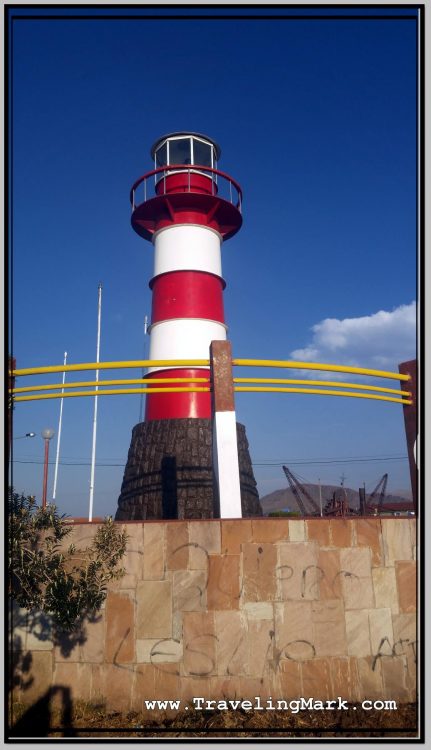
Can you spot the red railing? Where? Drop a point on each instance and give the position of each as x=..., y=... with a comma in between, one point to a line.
x=233, y=188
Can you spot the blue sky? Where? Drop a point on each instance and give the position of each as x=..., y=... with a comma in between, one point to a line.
x=317, y=122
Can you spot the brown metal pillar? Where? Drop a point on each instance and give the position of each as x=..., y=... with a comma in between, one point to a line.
x=12, y=366
x=411, y=421
x=221, y=376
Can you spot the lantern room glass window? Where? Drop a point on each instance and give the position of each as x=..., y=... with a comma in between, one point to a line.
x=202, y=153
x=162, y=155
x=180, y=151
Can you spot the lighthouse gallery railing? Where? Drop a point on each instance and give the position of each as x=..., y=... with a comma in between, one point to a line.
x=227, y=183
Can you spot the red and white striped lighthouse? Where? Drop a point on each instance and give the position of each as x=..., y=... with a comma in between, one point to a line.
x=187, y=221
x=186, y=207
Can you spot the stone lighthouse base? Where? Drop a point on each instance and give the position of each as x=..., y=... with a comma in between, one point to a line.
x=169, y=472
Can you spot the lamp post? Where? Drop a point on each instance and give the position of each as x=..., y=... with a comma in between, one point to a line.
x=27, y=434
x=47, y=434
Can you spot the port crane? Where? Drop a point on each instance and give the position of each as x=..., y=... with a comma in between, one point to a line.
x=381, y=485
x=299, y=490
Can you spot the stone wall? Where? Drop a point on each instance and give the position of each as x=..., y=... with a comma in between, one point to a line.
x=242, y=608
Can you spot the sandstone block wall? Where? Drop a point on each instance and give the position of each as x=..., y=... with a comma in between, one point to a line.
x=241, y=608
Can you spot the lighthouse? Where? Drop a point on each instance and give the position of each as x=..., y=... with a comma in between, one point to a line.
x=187, y=208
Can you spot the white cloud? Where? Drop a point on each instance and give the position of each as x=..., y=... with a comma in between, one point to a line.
x=379, y=341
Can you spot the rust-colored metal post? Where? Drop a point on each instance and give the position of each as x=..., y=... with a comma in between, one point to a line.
x=411, y=421
x=225, y=446
x=12, y=366
x=45, y=473
x=222, y=376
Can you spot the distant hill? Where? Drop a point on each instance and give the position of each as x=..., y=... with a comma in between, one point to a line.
x=285, y=499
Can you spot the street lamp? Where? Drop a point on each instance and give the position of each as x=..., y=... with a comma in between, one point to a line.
x=47, y=434
x=27, y=434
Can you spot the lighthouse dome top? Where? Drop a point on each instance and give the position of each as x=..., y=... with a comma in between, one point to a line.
x=185, y=147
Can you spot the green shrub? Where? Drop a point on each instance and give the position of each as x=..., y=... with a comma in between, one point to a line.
x=66, y=583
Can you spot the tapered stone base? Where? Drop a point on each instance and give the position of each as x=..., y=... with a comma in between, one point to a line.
x=169, y=472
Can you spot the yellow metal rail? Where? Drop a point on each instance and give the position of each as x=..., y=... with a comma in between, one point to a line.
x=139, y=363
x=87, y=383
x=204, y=363
x=332, y=383
x=107, y=392
x=244, y=389
x=265, y=381
x=318, y=366
x=321, y=392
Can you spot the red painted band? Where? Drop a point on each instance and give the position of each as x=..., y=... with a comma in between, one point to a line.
x=178, y=405
x=187, y=294
x=186, y=182
x=207, y=273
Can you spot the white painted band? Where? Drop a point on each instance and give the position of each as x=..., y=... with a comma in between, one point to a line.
x=187, y=248
x=188, y=224
x=184, y=338
x=226, y=465
x=151, y=327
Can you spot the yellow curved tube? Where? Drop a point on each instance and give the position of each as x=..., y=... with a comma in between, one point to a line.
x=112, y=366
x=117, y=392
x=205, y=363
x=334, y=383
x=120, y=392
x=87, y=383
x=321, y=392
x=318, y=366
x=282, y=381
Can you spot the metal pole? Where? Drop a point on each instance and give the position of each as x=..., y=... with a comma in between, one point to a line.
x=93, y=453
x=320, y=498
x=411, y=425
x=362, y=503
x=45, y=473
x=141, y=407
x=57, y=454
x=12, y=366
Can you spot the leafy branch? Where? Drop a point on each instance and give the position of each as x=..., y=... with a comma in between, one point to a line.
x=64, y=582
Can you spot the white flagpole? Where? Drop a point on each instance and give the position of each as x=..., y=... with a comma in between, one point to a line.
x=93, y=453
x=141, y=410
x=57, y=455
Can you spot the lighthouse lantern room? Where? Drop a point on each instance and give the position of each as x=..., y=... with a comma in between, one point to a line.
x=185, y=148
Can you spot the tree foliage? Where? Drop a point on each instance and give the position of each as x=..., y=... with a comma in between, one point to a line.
x=46, y=574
